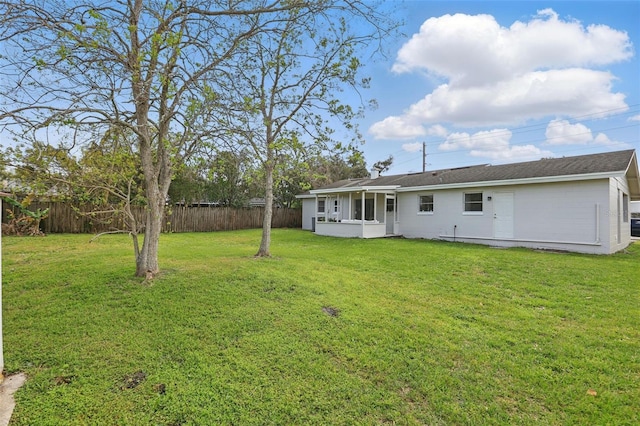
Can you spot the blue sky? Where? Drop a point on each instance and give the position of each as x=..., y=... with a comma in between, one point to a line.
x=503, y=81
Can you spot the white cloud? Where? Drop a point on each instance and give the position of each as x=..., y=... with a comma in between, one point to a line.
x=446, y=45
x=486, y=140
x=497, y=76
x=396, y=128
x=572, y=92
x=603, y=140
x=561, y=132
x=635, y=118
x=412, y=147
x=438, y=130
x=514, y=153
x=493, y=144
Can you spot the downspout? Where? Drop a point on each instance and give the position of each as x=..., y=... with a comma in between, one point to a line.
x=597, y=223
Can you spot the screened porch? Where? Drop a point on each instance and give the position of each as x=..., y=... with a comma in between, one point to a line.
x=363, y=212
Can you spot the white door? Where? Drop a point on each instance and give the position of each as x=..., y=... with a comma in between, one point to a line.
x=389, y=215
x=503, y=215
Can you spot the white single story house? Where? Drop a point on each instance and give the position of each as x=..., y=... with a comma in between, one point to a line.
x=579, y=204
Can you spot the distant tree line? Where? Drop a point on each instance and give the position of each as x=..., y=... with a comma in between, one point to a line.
x=232, y=179
x=106, y=173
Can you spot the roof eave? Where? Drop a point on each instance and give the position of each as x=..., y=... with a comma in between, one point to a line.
x=303, y=196
x=633, y=178
x=354, y=189
x=510, y=182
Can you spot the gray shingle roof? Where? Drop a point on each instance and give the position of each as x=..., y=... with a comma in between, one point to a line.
x=609, y=162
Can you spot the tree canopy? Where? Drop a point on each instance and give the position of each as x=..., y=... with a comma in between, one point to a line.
x=175, y=76
x=286, y=85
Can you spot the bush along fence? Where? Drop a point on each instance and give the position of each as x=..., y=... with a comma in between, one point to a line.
x=63, y=218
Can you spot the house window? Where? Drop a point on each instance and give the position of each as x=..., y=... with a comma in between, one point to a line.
x=473, y=202
x=425, y=204
x=321, y=206
x=391, y=205
x=368, y=209
x=335, y=206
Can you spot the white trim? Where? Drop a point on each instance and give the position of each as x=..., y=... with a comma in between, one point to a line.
x=375, y=206
x=363, y=216
x=465, y=202
x=433, y=204
x=356, y=189
x=506, y=182
x=521, y=240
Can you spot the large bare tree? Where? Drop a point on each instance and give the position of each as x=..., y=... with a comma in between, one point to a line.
x=146, y=66
x=287, y=84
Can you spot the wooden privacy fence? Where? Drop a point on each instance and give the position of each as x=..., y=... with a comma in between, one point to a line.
x=62, y=218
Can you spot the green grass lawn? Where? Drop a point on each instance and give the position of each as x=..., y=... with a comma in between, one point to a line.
x=328, y=331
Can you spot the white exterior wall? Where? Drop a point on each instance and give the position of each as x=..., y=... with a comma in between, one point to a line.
x=351, y=230
x=619, y=225
x=447, y=214
x=333, y=229
x=308, y=211
x=562, y=216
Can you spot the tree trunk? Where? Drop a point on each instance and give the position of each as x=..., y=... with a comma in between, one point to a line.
x=265, y=243
x=147, y=260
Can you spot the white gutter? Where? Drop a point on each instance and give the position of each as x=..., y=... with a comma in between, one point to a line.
x=355, y=189
x=509, y=182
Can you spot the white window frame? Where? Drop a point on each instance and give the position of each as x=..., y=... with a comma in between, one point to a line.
x=625, y=208
x=465, y=203
x=426, y=212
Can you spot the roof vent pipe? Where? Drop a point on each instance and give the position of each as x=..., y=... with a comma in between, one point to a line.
x=375, y=173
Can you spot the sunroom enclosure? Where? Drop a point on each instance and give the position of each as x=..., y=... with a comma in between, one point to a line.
x=358, y=212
